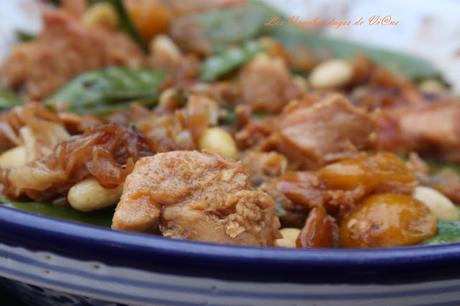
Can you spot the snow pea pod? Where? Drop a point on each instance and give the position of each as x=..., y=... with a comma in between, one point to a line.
x=233, y=26
x=220, y=64
x=109, y=89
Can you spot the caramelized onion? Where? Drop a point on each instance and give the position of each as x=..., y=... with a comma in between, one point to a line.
x=106, y=153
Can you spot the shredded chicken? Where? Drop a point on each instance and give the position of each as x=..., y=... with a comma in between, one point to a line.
x=197, y=196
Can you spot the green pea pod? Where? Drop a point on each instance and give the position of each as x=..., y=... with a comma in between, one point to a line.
x=101, y=217
x=125, y=21
x=8, y=100
x=219, y=65
x=108, y=90
x=448, y=232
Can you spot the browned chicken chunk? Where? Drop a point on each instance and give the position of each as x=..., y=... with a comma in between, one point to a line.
x=267, y=85
x=329, y=130
x=441, y=139
x=261, y=166
x=63, y=50
x=196, y=196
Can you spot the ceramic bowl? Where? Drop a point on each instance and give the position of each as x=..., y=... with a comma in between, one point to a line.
x=52, y=262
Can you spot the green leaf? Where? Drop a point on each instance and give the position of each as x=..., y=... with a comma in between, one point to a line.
x=101, y=217
x=109, y=89
x=125, y=21
x=8, y=100
x=448, y=232
x=218, y=65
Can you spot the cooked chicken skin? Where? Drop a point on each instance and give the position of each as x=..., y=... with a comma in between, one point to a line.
x=196, y=196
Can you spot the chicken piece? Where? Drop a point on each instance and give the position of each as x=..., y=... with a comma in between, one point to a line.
x=174, y=131
x=198, y=104
x=196, y=196
x=256, y=133
x=63, y=50
x=440, y=140
x=190, y=36
x=326, y=131
x=448, y=182
x=260, y=166
x=267, y=85
x=74, y=7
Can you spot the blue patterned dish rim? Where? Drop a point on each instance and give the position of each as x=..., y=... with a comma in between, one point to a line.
x=240, y=263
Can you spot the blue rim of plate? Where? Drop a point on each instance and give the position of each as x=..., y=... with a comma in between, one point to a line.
x=238, y=263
